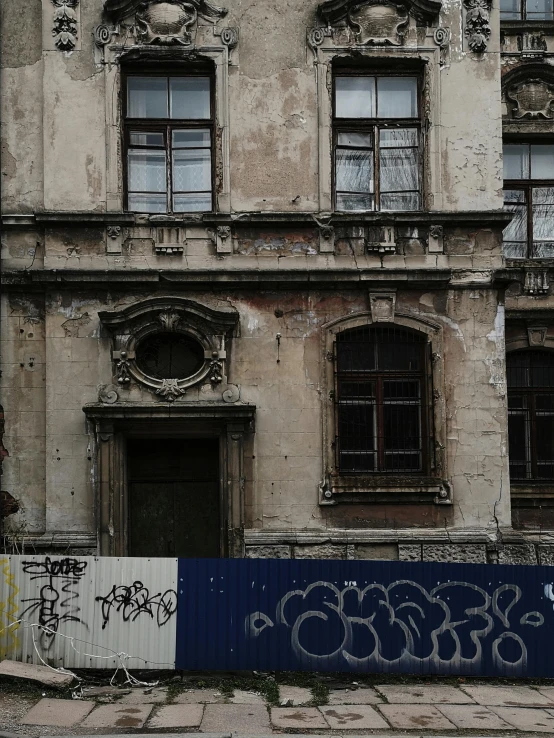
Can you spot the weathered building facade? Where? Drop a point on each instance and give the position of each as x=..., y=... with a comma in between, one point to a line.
x=259, y=284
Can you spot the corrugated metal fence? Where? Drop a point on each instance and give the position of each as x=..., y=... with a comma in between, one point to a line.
x=361, y=616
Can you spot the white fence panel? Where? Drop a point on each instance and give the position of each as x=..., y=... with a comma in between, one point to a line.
x=88, y=612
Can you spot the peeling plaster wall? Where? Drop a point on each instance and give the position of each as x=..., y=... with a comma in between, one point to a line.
x=285, y=455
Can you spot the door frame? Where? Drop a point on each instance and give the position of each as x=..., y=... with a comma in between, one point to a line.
x=111, y=425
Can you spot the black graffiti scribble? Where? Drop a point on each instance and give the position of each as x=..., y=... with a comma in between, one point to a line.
x=136, y=600
x=56, y=601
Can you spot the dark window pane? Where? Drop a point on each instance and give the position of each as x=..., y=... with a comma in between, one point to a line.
x=402, y=462
x=192, y=203
x=539, y=9
x=516, y=161
x=354, y=171
x=355, y=97
x=147, y=97
x=543, y=221
x=351, y=203
x=510, y=10
x=350, y=391
x=192, y=170
x=357, y=427
x=399, y=170
x=355, y=355
x=190, y=97
x=397, y=97
x=515, y=233
x=147, y=171
x=142, y=138
x=193, y=138
x=519, y=435
x=397, y=137
x=402, y=201
x=542, y=161
x=362, y=140
x=170, y=356
x=147, y=203
x=401, y=427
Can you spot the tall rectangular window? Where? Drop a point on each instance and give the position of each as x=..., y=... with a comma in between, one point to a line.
x=169, y=135
x=529, y=195
x=382, y=416
x=377, y=142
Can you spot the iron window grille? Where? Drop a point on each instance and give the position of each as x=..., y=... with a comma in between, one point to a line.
x=383, y=394
x=530, y=10
x=376, y=142
x=530, y=376
x=169, y=142
x=529, y=195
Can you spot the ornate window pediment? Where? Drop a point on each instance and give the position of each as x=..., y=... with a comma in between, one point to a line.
x=528, y=93
x=164, y=22
x=170, y=345
x=374, y=22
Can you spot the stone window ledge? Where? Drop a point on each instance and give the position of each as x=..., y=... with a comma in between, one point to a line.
x=388, y=490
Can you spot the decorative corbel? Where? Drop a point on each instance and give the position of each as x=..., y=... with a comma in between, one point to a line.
x=326, y=239
x=222, y=238
x=436, y=239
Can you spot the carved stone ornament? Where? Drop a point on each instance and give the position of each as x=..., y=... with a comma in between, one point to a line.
x=65, y=22
x=533, y=99
x=107, y=394
x=531, y=45
x=166, y=22
x=536, y=335
x=477, y=25
x=382, y=306
x=210, y=330
x=376, y=25
x=536, y=282
x=352, y=12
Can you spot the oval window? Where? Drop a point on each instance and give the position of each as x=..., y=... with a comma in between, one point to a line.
x=170, y=356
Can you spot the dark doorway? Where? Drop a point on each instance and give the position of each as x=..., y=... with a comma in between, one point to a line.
x=173, y=487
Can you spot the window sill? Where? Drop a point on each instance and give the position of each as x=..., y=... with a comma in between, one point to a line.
x=368, y=489
x=532, y=494
x=514, y=26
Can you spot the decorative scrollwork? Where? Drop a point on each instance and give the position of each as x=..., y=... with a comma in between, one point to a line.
x=103, y=34
x=107, y=394
x=316, y=36
x=230, y=37
x=441, y=36
x=122, y=369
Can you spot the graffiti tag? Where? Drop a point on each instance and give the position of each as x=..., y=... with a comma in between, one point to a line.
x=136, y=600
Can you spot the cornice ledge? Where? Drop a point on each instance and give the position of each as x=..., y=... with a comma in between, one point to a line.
x=384, y=535
x=334, y=11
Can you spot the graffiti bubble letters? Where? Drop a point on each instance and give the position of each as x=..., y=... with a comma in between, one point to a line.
x=135, y=600
x=452, y=628
x=56, y=601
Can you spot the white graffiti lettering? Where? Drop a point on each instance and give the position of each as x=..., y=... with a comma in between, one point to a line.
x=403, y=626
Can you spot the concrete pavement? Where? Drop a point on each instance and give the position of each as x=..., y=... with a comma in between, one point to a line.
x=382, y=710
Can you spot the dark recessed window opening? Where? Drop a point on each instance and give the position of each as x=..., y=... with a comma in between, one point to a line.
x=169, y=143
x=169, y=356
x=529, y=195
x=382, y=417
x=377, y=142
x=531, y=10
x=531, y=414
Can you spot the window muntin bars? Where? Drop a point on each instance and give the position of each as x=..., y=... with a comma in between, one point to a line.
x=382, y=418
x=530, y=377
x=169, y=143
x=529, y=195
x=530, y=10
x=377, y=157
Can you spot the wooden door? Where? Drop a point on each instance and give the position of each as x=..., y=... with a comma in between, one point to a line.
x=173, y=489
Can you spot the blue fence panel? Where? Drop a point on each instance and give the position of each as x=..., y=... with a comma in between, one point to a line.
x=365, y=616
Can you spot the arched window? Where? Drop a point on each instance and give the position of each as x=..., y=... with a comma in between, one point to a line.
x=530, y=377
x=382, y=395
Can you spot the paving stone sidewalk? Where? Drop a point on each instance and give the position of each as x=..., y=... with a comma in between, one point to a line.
x=417, y=709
